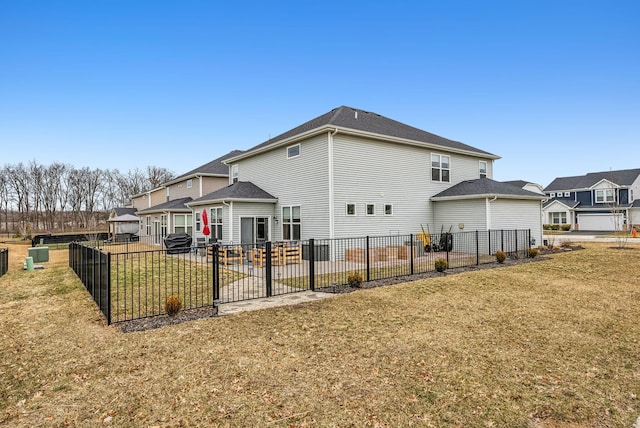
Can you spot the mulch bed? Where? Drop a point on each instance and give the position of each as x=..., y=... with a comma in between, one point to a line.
x=194, y=314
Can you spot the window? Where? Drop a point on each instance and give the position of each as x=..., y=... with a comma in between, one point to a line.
x=291, y=223
x=182, y=223
x=351, y=209
x=215, y=225
x=163, y=225
x=371, y=209
x=440, y=168
x=567, y=194
x=483, y=169
x=148, y=225
x=293, y=151
x=604, y=196
x=388, y=209
x=189, y=183
x=559, y=217
x=168, y=195
x=234, y=174
x=198, y=222
x=552, y=195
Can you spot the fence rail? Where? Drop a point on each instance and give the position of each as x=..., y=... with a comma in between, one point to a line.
x=4, y=261
x=138, y=282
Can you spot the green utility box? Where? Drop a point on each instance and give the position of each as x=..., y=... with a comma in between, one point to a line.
x=39, y=254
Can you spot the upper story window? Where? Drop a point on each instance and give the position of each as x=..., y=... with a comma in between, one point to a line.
x=440, y=168
x=293, y=151
x=234, y=173
x=388, y=209
x=371, y=209
x=567, y=194
x=604, y=196
x=189, y=183
x=483, y=169
x=552, y=195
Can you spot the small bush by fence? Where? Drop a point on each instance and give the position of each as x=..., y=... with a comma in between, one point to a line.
x=4, y=261
x=139, y=282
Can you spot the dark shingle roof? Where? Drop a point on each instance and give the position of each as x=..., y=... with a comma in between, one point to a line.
x=519, y=183
x=122, y=211
x=571, y=203
x=636, y=203
x=215, y=167
x=361, y=120
x=486, y=187
x=624, y=177
x=241, y=190
x=174, y=205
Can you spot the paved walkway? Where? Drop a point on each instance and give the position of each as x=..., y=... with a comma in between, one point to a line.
x=270, y=302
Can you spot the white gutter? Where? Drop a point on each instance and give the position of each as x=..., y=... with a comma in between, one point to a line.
x=331, y=182
x=488, y=211
x=230, y=220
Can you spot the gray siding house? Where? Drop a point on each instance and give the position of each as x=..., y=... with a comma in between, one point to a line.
x=351, y=172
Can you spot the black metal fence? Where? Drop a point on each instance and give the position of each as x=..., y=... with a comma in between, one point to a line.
x=93, y=267
x=139, y=282
x=4, y=261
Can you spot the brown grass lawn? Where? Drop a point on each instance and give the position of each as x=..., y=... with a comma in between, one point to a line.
x=547, y=344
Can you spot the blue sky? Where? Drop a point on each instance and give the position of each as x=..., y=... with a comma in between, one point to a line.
x=553, y=87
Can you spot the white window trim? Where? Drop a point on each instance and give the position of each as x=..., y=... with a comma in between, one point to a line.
x=366, y=210
x=234, y=173
x=346, y=209
x=385, y=210
x=605, y=200
x=567, y=194
x=440, y=156
x=294, y=156
x=189, y=183
x=552, y=194
x=480, y=173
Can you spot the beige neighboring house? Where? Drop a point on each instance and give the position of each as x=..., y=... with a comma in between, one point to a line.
x=163, y=210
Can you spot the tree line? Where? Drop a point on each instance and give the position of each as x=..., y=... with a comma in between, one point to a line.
x=59, y=197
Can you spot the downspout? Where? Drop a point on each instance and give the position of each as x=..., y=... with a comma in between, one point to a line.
x=488, y=211
x=331, y=190
x=230, y=220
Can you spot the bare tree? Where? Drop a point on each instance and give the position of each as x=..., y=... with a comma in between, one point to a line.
x=157, y=176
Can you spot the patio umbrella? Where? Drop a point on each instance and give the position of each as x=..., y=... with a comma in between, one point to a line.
x=205, y=229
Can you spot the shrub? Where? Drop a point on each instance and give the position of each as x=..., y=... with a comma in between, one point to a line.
x=533, y=252
x=172, y=305
x=354, y=280
x=441, y=265
x=546, y=227
x=501, y=256
x=555, y=227
x=566, y=227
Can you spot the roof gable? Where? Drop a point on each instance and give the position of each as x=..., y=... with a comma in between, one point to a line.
x=348, y=118
x=625, y=177
x=214, y=167
x=174, y=205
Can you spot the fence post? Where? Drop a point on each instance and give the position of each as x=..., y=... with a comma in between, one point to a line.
x=489, y=240
x=516, y=233
x=446, y=245
x=528, y=241
x=108, y=289
x=312, y=265
x=501, y=239
x=215, y=260
x=477, y=248
x=368, y=264
x=411, y=251
x=267, y=248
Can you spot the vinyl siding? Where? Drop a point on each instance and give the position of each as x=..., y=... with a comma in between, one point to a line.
x=367, y=171
x=302, y=181
x=635, y=190
x=451, y=214
x=513, y=214
x=584, y=197
x=211, y=184
x=179, y=190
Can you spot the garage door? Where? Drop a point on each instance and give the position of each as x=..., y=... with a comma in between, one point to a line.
x=599, y=221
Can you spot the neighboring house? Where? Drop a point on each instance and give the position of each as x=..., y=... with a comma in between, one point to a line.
x=164, y=211
x=354, y=173
x=598, y=201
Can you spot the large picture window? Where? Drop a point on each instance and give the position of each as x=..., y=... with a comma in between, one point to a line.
x=440, y=168
x=216, y=223
x=291, y=223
